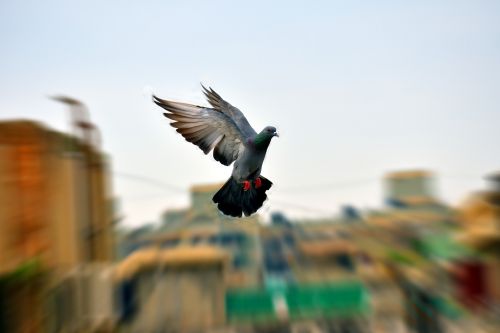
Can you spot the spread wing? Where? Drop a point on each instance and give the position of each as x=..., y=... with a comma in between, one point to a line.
x=234, y=113
x=207, y=128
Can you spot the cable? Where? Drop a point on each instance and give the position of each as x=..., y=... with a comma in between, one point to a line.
x=151, y=181
x=306, y=188
x=301, y=207
x=174, y=188
x=329, y=186
x=324, y=187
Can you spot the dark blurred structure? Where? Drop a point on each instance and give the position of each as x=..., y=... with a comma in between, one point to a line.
x=480, y=219
x=183, y=288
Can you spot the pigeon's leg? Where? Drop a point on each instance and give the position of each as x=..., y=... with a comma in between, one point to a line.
x=246, y=185
x=258, y=182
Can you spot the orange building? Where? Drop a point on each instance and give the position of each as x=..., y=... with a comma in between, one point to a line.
x=55, y=199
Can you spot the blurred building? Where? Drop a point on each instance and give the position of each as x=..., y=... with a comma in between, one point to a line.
x=56, y=201
x=414, y=187
x=183, y=288
x=480, y=217
x=202, y=224
x=56, y=214
x=275, y=275
x=480, y=221
x=411, y=202
x=279, y=252
x=392, y=269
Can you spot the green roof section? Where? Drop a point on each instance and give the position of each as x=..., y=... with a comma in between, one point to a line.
x=331, y=300
x=328, y=300
x=250, y=305
x=441, y=247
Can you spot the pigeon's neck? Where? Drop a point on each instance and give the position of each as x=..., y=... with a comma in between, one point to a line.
x=261, y=141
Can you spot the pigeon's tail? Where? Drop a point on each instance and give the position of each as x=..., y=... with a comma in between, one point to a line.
x=233, y=200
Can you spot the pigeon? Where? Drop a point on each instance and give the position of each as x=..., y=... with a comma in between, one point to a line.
x=224, y=130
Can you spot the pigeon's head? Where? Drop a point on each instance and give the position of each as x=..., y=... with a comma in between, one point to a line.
x=263, y=139
x=269, y=131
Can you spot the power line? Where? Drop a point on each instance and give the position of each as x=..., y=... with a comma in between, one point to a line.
x=301, y=207
x=321, y=187
x=324, y=187
x=174, y=188
x=341, y=185
x=150, y=181
x=308, y=188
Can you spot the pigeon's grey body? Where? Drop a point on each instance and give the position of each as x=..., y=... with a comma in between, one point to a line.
x=249, y=164
x=225, y=130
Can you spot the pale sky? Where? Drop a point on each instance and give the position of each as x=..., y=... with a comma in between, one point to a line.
x=355, y=88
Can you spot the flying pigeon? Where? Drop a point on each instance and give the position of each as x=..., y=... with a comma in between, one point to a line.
x=225, y=130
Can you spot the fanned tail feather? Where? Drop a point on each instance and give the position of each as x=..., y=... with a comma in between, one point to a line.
x=232, y=200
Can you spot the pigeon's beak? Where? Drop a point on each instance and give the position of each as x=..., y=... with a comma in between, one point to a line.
x=276, y=134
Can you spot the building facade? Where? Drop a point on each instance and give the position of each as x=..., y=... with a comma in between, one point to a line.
x=55, y=216
x=56, y=198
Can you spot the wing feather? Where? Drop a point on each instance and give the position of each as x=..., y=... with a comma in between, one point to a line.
x=177, y=117
x=185, y=125
x=207, y=128
x=219, y=104
x=193, y=130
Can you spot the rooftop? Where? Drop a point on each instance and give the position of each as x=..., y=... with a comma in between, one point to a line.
x=206, y=187
x=409, y=174
x=181, y=256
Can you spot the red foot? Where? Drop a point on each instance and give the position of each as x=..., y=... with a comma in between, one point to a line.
x=246, y=185
x=258, y=182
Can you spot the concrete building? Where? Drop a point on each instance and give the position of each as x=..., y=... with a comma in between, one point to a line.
x=411, y=201
x=480, y=217
x=182, y=289
x=201, y=224
x=413, y=187
x=56, y=200
x=480, y=221
x=55, y=214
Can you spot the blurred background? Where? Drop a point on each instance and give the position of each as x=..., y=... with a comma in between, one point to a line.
x=385, y=210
